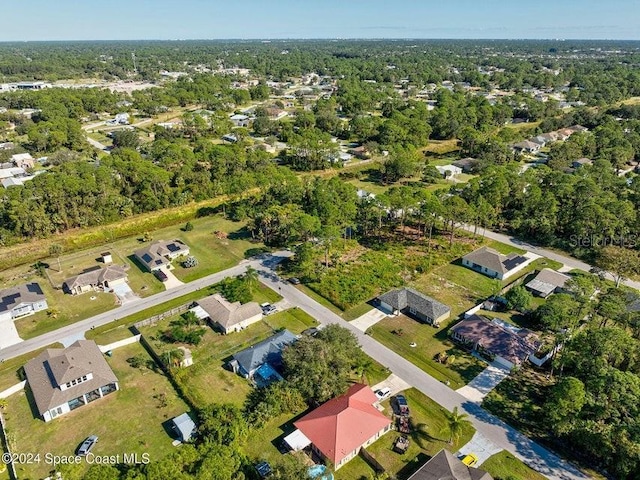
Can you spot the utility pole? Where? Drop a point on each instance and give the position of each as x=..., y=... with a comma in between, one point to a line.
x=133, y=56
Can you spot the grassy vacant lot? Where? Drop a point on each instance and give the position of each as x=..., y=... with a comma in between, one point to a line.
x=129, y=420
x=429, y=436
x=430, y=341
x=505, y=465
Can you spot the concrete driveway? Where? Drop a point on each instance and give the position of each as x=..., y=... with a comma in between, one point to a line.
x=172, y=281
x=487, y=380
x=8, y=333
x=394, y=383
x=124, y=293
x=369, y=319
x=480, y=446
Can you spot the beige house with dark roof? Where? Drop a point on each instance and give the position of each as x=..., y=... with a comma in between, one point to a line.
x=494, y=264
x=159, y=254
x=104, y=278
x=63, y=379
x=230, y=317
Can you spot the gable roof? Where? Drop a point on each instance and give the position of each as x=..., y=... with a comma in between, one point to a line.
x=56, y=366
x=513, y=344
x=344, y=423
x=494, y=260
x=547, y=281
x=185, y=426
x=96, y=276
x=408, y=297
x=10, y=298
x=268, y=350
x=445, y=466
x=228, y=314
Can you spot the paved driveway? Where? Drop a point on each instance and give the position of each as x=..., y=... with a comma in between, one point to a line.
x=480, y=446
x=8, y=333
x=124, y=293
x=369, y=319
x=172, y=281
x=487, y=380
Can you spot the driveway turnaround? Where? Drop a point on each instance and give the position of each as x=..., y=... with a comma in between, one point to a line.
x=487, y=380
x=369, y=319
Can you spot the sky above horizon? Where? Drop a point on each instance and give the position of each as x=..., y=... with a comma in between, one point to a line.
x=258, y=19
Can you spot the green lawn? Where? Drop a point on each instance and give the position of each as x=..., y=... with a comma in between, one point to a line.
x=428, y=438
x=430, y=341
x=129, y=420
x=505, y=465
x=293, y=319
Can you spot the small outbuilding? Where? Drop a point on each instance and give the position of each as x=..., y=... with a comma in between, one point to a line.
x=184, y=427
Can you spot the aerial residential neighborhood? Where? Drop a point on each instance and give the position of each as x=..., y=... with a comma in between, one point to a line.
x=336, y=248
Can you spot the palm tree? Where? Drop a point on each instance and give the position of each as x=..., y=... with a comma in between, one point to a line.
x=55, y=249
x=456, y=423
x=251, y=278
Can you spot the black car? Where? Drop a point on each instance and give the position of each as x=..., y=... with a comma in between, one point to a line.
x=402, y=405
x=263, y=469
x=87, y=445
x=160, y=275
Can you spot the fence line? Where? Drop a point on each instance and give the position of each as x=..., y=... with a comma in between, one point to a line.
x=10, y=466
x=161, y=316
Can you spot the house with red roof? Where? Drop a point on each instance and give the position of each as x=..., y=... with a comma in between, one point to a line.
x=339, y=428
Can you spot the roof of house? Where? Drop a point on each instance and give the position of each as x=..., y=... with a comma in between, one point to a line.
x=344, y=423
x=445, y=466
x=21, y=156
x=56, y=366
x=268, y=350
x=494, y=260
x=155, y=255
x=14, y=296
x=583, y=161
x=526, y=145
x=228, y=314
x=512, y=344
x=184, y=425
x=467, y=162
x=408, y=297
x=547, y=281
x=96, y=276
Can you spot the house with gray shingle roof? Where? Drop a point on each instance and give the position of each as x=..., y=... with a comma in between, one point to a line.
x=104, y=278
x=229, y=317
x=269, y=351
x=63, y=379
x=547, y=282
x=494, y=264
x=409, y=301
x=22, y=300
x=445, y=465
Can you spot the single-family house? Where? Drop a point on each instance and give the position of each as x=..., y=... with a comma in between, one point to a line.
x=63, y=379
x=360, y=152
x=527, y=146
x=448, y=171
x=444, y=465
x=539, y=140
x=240, y=120
x=275, y=113
x=23, y=160
x=416, y=304
x=546, y=282
x=227, y=316
x=509, y=346
x=230, y=137
x=22, y=300
x=467, y=164
x=269, y=351
x=160, y=253
x=494, y=264
x=578, y=129
x=184, y=427
x=122, y=118
x=338, y=429
x=581, y=162
x=97, y=278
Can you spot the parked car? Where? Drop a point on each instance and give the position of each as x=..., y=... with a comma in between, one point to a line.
x=402, y=405
x=263, y=469
x=470, y=460
x=86, y=446
x=294, y=281
x=160, y=275
x=401, y=444
x=268, y=309
x=383, y=393
x=311, y=332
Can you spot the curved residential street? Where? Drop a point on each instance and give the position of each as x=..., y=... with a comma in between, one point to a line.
x=495, y=431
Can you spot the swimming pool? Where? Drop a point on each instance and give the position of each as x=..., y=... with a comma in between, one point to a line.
x=319, y=472
x=266, y=375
